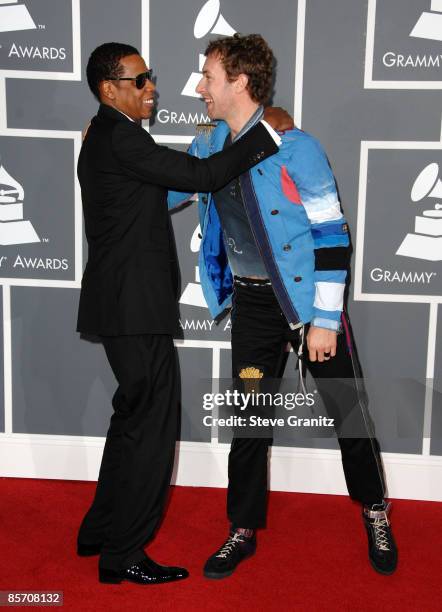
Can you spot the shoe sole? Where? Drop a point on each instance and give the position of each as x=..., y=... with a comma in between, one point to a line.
x=220, y=576
x=111, y=577
x=120, y=580
x=217, y=575
x=383, y=572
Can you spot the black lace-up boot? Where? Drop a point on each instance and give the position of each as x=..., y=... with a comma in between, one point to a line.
x=381, y=545
x=240, y=544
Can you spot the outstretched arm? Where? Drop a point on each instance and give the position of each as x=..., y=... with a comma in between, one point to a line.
x=138, y=153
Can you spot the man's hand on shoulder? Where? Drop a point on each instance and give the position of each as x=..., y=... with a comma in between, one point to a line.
x=278, y=118
x=321, y=343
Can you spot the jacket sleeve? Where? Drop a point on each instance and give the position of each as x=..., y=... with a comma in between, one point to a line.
x=137, y=151
x=176, y=198
x=317, y=189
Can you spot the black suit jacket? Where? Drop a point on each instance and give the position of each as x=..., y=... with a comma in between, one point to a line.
x=128, y=283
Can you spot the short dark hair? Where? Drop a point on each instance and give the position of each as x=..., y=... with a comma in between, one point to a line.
x=249, y=55
x=104, y=63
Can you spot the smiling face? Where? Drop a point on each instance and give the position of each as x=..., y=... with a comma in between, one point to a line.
x=136, y=103
x=216, y=90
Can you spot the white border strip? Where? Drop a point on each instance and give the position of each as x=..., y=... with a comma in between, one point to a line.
x=202, y=464
x=33, y=133
x=75, y=75
x=431, y=359
x=78, y=216
x=164, y=139
x=369, y=83
x=145, y=30
x=76, y=40
x=145, y=44
x=369, y=46
x=7, y=359
x=44, y=282
x=299, y=63
x=212, y=344
x=216, y=368
x=3, y=113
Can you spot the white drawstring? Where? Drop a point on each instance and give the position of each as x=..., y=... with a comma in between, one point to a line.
x=300, y=362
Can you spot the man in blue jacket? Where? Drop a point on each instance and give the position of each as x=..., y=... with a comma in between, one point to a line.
x=276, y=244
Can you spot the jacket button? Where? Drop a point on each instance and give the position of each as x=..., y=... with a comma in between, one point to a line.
x=274, y=212
x=287, y=247
x=260, y=171
x=297, y=279
x=204, y=199
x=200, y=236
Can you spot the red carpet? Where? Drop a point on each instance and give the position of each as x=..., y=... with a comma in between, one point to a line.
x=312, y=557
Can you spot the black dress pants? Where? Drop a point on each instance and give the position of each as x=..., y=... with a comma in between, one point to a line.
x=260, y=334
x=139, y=451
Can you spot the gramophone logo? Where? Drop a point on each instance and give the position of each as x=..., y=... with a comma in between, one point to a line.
x=15, y=17
x=193, y=293
x=429, y=24
x=403, y=51
x=426, y=241
x=13, y=228
x=208, y=21
x=40, y=37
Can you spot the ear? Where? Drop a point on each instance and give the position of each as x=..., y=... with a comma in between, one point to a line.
x=241, y=83
x=107, y=90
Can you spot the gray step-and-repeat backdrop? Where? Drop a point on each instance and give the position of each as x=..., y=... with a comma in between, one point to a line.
x=363, y=76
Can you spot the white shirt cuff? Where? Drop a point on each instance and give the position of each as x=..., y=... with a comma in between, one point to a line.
x=326, y=323
x=276, y=137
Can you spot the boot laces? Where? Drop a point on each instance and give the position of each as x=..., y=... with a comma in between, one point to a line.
x=381, y=536
x=231, y=542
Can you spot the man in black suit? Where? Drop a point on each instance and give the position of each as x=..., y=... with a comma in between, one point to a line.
x=128, y=298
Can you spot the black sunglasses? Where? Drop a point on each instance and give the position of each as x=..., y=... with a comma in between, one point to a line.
x=140, y=79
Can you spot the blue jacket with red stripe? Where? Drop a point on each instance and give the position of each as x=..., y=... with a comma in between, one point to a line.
x=296, y=219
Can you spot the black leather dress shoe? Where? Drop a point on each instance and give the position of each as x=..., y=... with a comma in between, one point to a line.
x=88, y=551
x=143, y=572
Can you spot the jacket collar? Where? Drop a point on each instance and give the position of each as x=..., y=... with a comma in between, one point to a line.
x=257, y=116
x=108, y=112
